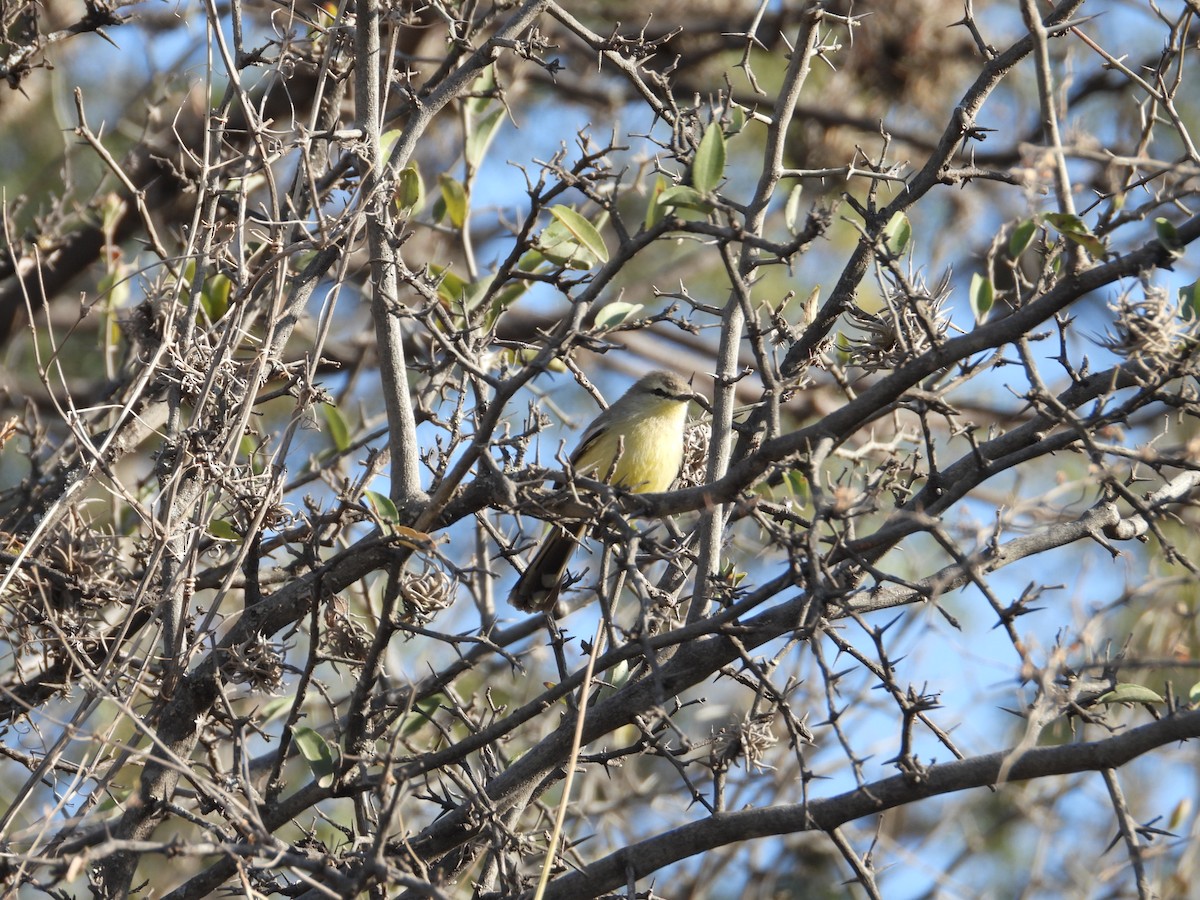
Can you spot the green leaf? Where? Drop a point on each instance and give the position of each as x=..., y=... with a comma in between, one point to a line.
x=731, y=576
x=686, y=197
x=1194, y=694
x=186, y=275
x=1066, y=222
x=114, y=287
x=387, y=141
x=1130, y=693
x=615, y=313
x=303, y=260
x=737, y=119
x=1089, y=242
x=526, y=355
x=479, y=138
x=114, y=798
x=530, y=261
x=410, y=190
x=222, y=530
x=558, y=246
x=421, y=714
x=583, y=230
x=1164, y=230
x=791, y=210
x=708, y=165
x=455, y=197
x=618, y=675
x=339, y=432
x=1020, y=238
x=214, y=296
x=249, y=447
x=843, y=348
x=1180, y=813
x=483, y=86
x=897, y=233
x=797, y=484
x=451, y=287
x=1189, y=302
x=316, y=752
x=502, y=300
x=273, y=709
x=1074, y=230
x=655, y=211
x=982, y=297
x=383, y=507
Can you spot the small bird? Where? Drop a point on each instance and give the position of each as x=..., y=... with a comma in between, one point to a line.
x=636, y=444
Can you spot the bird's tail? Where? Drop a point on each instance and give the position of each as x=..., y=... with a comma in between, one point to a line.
x=538, y=587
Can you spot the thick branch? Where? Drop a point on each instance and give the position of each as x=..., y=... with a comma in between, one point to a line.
x=645, y=857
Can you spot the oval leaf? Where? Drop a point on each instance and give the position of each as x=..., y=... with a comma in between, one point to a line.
x=1066, y=222
x=387, y=141
x=339, y=432
x=222, y=530
x=383, y=506
x=897, y=233
x=503, y=299
x=316, y=752
x=1129, y=693
x=737, y=119
x=557, y=245
x=482, y=87
x=843, y=348
x=797, y=485
x=421, y=714
x=686, y=197
x=530, y=261
x=982, y=297
x=114, y=286
x=1164, y=229
x=476, y=291
x=454, y=195
x=479, y=138
x=410, y=190
x=275, y=708
x=708, y=165
x=1089, y=242
x=450, y=288
x=1189, y=302
x=583, y=230
x=1074, y=230
x=214, y=296
x=791, y=211
x=656, y=210
x=249, y=448
x=1019, y=240
x=615, y=313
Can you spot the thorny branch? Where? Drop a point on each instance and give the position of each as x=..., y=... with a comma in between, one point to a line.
x=366, y=240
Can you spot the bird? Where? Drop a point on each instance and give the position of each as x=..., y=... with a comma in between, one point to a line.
x=635, y=444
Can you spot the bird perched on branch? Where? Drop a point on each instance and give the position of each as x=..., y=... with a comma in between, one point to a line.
x=636, y=444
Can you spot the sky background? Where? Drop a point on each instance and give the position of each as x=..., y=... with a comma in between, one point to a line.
x=973, y=670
